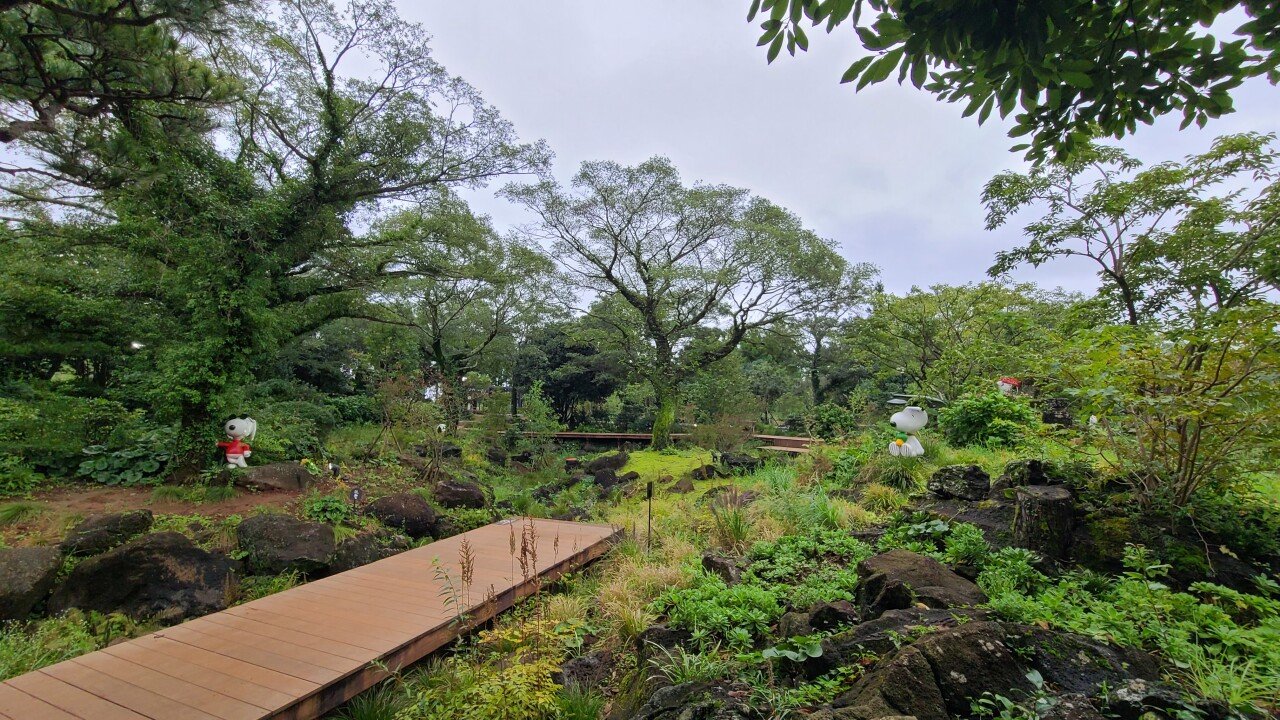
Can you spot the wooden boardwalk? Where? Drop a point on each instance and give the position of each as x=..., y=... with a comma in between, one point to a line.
x=777, y=443
x=300, y=653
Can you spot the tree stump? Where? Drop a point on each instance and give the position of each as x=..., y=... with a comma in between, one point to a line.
x=1042, y=520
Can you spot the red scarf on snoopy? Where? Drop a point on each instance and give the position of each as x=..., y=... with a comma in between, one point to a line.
x=235, y=446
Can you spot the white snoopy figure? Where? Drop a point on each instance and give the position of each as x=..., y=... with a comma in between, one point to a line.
x=908, y=421
x=234, y=446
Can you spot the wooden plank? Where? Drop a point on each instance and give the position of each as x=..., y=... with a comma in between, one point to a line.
x=333, y=630
x=71, y=699
x=261, y=696
x=123, y=694
x=235, y=667
x=17, y=705
x=316, y=658
x=287, y=636
x=231, y=647
x=187, y=693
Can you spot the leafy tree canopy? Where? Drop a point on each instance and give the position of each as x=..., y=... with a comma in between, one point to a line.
x=1170, y=240
x=91, y=58
x=1067, y=70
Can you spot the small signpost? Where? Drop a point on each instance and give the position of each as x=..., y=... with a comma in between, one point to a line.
x=648, y=493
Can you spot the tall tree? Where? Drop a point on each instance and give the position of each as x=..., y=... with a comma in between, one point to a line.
x=487, y=291
x=1171, y=239
x=693, y=268
x=260, y=235
x=820, y=323
x=1075, y=67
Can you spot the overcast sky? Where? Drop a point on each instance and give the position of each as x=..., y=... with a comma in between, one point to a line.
x=890, y=174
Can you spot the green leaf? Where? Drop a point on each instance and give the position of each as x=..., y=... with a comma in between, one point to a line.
x=856, y=69
x=755, y=8
x=1076, y=79
x=986, y=109
x=775, y=48
x=919, y=71
x=881, y=68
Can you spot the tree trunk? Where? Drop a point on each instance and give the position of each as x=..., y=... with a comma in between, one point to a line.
x=1042, y=520
x=665, y=416
x=815, y=377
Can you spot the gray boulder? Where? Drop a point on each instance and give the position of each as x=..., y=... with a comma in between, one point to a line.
x=834, y=614
x=99, y=533
x=615, y=461
x=900, y=579
x=366, y=548
x=275, y=476
x=967, y=482
x=276, y=543
x=585, y=671
x=1021, y=472
x=936, y=677
x=880, y=636
x=26, y=577
x=606, y=479
x=729, y=569
x=162, y=576
x=459, y=494
x=408, y=512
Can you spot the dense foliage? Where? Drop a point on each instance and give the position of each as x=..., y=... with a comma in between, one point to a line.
x=1066, y=69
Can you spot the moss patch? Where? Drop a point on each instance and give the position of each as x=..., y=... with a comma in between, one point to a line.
x=653, y=464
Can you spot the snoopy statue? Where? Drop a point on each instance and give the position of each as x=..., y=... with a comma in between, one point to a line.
x=908, y=421
x=234, y=446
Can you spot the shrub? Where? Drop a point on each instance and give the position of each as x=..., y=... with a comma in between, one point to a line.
x=16, y=512
x=965, y=545
x=830, y=421
x=579, y=703
x=354, y=409
x=24, y=648
x=725, y=433
x=994, y=419
x=680, y=666
x=48, y=429
x=292, y=430
x=794, y=557
x=254, y=587
x=17, y=478
x=901, y=473
x=1221, y=641
x=465, y=519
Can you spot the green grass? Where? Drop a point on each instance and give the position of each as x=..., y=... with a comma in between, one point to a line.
x=16, y=512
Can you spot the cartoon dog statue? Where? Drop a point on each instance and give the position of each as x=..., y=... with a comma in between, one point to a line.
x=234, y=446
x=908, y=421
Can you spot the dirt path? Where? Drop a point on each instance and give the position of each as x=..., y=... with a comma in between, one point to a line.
x=64, y=505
